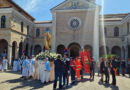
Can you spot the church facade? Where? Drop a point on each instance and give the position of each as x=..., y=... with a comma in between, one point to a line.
x=76, y=25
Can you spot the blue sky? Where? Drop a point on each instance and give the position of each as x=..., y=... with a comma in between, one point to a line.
x=40, y=9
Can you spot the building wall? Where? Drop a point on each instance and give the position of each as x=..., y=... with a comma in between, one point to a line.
x=40, y=39
x=12, y=32
x=65, y=35
x=112, y=41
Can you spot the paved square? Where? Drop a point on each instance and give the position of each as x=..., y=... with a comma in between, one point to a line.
x=12, y=81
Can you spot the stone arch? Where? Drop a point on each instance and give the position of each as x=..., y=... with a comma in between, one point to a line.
x=3, y=47
x=74, y=49
x=116, y=50
x=21, y=47
x=14, y=49
x=103, y=51
x=60, y=49
x=89, y=47
x=37, y=49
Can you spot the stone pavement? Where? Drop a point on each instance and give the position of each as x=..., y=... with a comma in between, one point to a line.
x=11, y=81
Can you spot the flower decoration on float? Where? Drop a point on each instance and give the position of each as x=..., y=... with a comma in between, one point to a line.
x=43, y=55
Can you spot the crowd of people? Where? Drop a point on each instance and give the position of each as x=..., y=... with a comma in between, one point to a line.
x=64, y=68
x=113, y=66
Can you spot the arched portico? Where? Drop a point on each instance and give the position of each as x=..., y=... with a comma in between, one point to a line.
x=74, y=49
x=60, y=49
x=116, y=50
x=3, y=47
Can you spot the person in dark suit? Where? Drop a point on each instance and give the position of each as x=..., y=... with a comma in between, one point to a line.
x=81, y=71
x=92, y=69
x=66, y=70
x=123, y=67
x=128, y=69
x=118, y=66
x=113, y=68
x=59, y=69
x=106, y=69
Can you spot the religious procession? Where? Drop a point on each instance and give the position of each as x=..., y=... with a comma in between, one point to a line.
x=52, y=67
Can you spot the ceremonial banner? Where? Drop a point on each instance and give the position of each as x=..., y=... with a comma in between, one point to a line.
x=85, y=57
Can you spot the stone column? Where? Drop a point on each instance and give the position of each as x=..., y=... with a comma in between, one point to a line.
x=122, y=53
x=96, y=35
x=29, y=49
x=126, y=52
x=54, y=33
x=17, y=51
x=33, y=49
x=126, y=48
x=9, y=54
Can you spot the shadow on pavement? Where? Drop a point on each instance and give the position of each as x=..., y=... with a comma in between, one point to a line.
x=35, y=84
x=114, y=87
x=85, y=80
x=107, y=85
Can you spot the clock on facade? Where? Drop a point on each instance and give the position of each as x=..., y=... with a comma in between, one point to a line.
x=74, y=23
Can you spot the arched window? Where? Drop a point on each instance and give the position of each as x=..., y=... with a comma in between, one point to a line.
x=3, y=22
x=21, y=26
x=27, y=29
x=116, y=31
x=105, y=31
x=37, y=32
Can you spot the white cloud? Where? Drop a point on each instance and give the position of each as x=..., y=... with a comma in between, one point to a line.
x=31, y=5
x=34, y=5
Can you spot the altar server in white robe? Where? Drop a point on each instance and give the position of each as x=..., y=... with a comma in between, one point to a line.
x=43, y=72
x=25, y=68
x=31, y=67
x=4, y=64
x=15, y=65
x=38, y=71
x=47, y=70
x=19, y=64
x=41, y=68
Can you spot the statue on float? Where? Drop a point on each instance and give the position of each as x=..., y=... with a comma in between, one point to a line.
x=47, y=39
